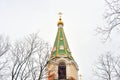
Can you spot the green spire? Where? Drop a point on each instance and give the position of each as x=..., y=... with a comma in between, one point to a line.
x=60, y=48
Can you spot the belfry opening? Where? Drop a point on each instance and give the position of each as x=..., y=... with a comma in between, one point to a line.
x=62, y=70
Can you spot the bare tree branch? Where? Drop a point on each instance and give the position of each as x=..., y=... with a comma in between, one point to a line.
x=112, y=16
x=4, y=48
x=30, y=58
x=108, y=67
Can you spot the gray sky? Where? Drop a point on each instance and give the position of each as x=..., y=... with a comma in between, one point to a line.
x=81, y=17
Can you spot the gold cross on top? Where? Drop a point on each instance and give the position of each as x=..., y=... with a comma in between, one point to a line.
x=60, y=14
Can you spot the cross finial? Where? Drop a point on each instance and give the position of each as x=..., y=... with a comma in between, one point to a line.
x=60, y=14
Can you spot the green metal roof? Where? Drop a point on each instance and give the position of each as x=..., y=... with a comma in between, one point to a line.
x=61, y=47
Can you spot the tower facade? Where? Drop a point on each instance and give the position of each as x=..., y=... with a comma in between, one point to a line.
x=61, y=65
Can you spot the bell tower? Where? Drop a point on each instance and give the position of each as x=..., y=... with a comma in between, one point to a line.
x=61, y=65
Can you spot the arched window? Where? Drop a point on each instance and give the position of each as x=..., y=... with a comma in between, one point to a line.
x=62, y=70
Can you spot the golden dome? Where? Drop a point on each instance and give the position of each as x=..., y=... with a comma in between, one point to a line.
x=60, y=22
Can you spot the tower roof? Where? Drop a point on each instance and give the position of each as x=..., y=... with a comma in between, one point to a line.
x=61, y=47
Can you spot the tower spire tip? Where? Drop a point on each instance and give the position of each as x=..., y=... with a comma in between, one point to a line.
x=60, y=23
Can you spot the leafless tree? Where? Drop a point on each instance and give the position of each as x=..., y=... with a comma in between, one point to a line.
x=4, y=48
x=4, y=45
x=116, y=66
x=112, y=16
x=29, y=59
x=108, y=67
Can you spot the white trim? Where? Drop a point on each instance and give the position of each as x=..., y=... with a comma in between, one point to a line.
x=61, y=47
x=68, y=70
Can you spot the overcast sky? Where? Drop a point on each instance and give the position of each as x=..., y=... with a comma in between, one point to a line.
x=19, y=18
